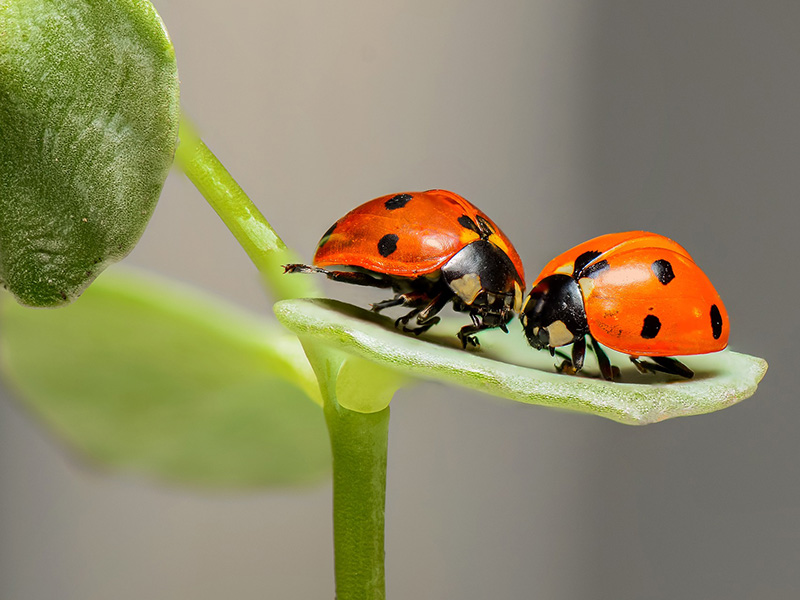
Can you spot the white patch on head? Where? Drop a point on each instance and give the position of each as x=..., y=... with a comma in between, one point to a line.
x=517, y=297
x=559, y=334
x=467, y=287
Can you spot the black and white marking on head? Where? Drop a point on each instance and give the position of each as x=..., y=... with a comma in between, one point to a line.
x=398, y=201
x=663, y=271
x=716, y=322
x=651, y=327
x=387, y=244
x=327, y=235
x=467, y=287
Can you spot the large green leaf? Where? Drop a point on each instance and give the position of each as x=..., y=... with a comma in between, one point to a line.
x=88, y=125
x=506, y=366
x=153, y=379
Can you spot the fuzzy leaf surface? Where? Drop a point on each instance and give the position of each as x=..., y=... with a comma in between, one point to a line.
x=88, y=126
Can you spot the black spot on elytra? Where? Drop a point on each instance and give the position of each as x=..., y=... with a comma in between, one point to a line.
x=651, y=327
x=327, y=235
x=716, y=322
x=583, y=260
x=387, y=244
x=595, y=269
x=398, y=201
x=468, y=223
x=663, y=271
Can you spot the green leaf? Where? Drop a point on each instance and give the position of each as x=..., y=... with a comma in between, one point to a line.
x=154, y=379
x=88, y=126
x=506, y=366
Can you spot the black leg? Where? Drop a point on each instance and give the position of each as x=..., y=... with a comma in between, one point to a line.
x=465, y=333
x=406, y=318
x=396, y=301
x=606, y=370
x=663, y=364
x=352, y=277
x=428, y=317
x=418, y=300
x=578, y=353
x=570, y=366
x=425, y=315
x=673, y=366
x=560, y=354
x=566, y=367
x=574, y=364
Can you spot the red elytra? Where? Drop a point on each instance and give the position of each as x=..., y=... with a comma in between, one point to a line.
x=427, y=229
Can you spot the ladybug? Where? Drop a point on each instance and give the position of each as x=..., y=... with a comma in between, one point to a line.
x=636, y=292
x=430, y=248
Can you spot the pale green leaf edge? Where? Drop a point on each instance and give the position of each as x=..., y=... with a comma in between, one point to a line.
x=723, y=378
x=285, y=353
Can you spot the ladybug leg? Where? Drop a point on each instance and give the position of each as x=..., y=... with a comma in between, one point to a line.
x=578, y=353
x=673, y=366
x=418, y=302
x=606, y=370
x=663, y=364
x=465, y=333
x=352, y=277
x=566, y=367
x=396, y=301
x=425, y=315
x=406, y=318
x=571, y=366
x=560, y=354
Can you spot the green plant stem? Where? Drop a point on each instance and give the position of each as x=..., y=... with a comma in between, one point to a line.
x=359, y=443
x=262, y=244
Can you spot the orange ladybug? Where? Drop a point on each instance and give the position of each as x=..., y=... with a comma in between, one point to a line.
x=636, y=292
x=431, y=248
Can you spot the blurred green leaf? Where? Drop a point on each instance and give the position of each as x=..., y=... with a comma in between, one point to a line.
x=506, y=366
x=88, y=126
x=154, y=379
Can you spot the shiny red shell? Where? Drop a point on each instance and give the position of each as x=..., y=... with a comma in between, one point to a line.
x=410, y=234
x=645, y=296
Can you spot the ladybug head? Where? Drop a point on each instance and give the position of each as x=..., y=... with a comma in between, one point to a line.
x=553, y=313
x=485, y=280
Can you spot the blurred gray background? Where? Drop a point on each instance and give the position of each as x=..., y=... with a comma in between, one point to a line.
x=562, y=119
